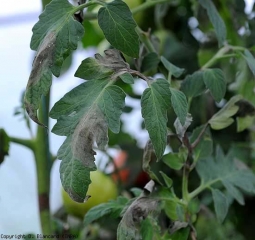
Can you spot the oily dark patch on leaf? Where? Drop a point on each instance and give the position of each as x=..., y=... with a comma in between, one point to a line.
x=118, y=25
x=55, y=35
x=112, y=64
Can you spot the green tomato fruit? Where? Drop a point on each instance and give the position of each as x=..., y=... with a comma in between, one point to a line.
x=101, y=190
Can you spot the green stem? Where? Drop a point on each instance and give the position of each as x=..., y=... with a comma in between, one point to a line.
x=145, y=39
x=24, y=142
x=201, y=188
x=218, y=55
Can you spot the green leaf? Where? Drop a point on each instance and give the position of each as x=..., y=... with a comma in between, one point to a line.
x=204, y=148
x=223, y=118
x=84, y=115
x=112, y=208
x=150, y=62
x=223, y=169
x=182, y=234
x=173, y=160
x=175, y=71
x=179, y=104
x=55, y=35
x=215, y=82
x=4, y=144
x=250, y=60
x=118, y=25
x=112, y=64
x=193, y=85
x=147, y=230
x=168, y=181
x=244, y=122
x=220, y=204
x=216, y=20
x=155, y=102
x=127, y=78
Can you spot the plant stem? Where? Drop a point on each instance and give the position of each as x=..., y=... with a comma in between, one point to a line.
x=218, y=55
x=24, y=142
x=145, y=38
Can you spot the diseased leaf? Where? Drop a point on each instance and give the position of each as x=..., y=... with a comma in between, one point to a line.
x=223, y=118
x=175, y=71
x=55, y=35
x=193, y=85
x=179, y=104
x=216, y=20
x=250, y=60
x=155, y=102
x=220, y=204
x=118, y=25
x=139, y=210
x=84, y=115
x=112, y=208
x=4, y=144
x=223, y=169
x=181, y=129
x=215, y=82
x=103, y=66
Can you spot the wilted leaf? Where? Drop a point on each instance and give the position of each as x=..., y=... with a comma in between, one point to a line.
x=175, y=71
x=4, y=144
x=215, y=82
x=181, y=129
x=112, y=208
x=118, y=25
x=216, y=20
x=220, y=204
x=155, y=102
x=102, y=66
x=179, y=104
x=193, y=85
x=84, y=115
x=223, y=118
x=55, y=35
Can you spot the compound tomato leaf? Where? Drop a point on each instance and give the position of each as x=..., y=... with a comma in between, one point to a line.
x=179, y=104
x=215, y=81
x=155, y=102
x=84, y=115
x=55, y=35
x=116, y=21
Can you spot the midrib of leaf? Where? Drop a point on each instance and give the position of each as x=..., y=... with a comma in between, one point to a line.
x=203, y=185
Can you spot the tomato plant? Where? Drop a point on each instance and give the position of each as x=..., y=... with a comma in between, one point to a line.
x=196, y=103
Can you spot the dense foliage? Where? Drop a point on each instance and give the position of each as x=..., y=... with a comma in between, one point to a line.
x=198, y=108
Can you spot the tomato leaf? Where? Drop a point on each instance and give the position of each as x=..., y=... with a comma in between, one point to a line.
x=175, y=71
x=55, y=35
x=220, y=204
x=127, y=78
x=179, y=104
x=155, y=102
x=223, y=118
x=112, y=208
x=84, y=115
x=215, y=81
x=250, y=60
x=118, y=25
x=216, y=20
x=193, y=85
